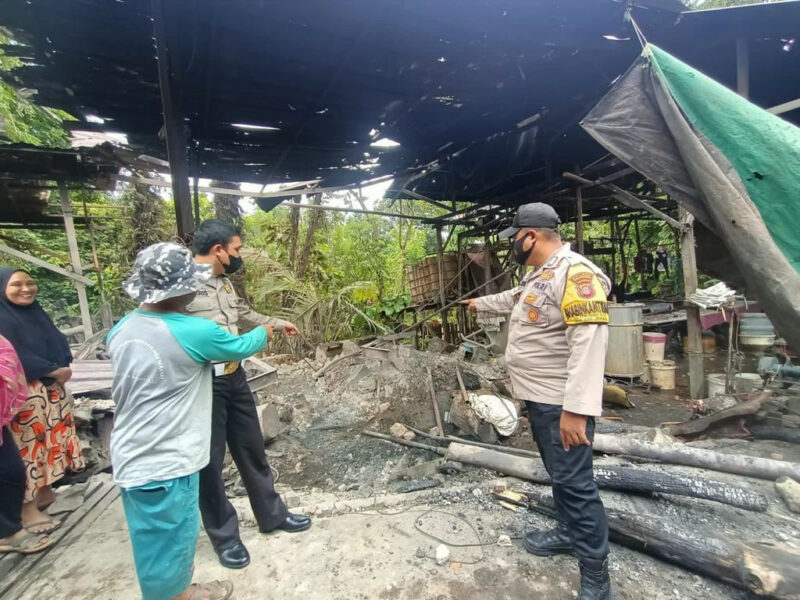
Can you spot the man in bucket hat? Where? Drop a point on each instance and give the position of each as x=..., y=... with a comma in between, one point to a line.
x=555, y=357
x=161, y=362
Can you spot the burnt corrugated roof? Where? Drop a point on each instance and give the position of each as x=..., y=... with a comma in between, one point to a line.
x=490, y=92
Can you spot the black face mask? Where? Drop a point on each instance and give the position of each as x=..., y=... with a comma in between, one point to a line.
x=234, y=265
x=520, y=254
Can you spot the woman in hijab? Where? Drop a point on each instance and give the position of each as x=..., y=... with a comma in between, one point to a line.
x=43, y=429
x=13, y=396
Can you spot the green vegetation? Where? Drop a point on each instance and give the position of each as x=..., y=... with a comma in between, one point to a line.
x=21, y=120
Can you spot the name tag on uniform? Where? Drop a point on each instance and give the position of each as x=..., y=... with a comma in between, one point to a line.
x=219, y=369
x=542, y=286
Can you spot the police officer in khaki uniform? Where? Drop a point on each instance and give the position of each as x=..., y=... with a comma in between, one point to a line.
x=555, y=357
x=234, y=418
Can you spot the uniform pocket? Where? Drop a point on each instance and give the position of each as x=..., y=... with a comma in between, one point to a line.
x=201, y=304
x=532, y=310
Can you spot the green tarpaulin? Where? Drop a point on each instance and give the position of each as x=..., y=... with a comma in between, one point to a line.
x=733, y=165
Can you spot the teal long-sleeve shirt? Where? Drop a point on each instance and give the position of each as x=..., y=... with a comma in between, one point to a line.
x=161, y=365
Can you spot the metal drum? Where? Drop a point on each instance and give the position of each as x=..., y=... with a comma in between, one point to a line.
x=625, y=345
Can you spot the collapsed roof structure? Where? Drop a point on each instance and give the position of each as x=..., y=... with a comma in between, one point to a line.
x=475, y=102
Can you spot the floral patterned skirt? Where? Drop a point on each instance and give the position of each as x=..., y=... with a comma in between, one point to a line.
x=44, y=431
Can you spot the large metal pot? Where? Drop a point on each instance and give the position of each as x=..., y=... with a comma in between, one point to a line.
x=625, y=345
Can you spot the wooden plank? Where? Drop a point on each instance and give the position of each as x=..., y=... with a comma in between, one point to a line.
x=693, y=325
x=436, y=414
x=287, y=193
x=17, y=569
x=626, y=198
x=75, y=259
x=44, y=264
x=742, y=67
x=173, y=126
x=89, y=376
x=785, y=107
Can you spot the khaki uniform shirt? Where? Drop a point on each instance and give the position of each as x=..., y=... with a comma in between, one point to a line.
x=217, y=301
x=558, y=332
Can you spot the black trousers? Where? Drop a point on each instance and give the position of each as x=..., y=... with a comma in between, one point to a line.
x=12, y=486
x=574, y=490
x=234, y=420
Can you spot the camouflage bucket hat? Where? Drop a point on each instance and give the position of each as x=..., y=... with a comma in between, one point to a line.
x=165, y=270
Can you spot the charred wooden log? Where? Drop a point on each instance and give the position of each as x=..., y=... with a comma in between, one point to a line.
x=771, y=432
x=766, y=570
x=677, y=454
x=618, y=477
x=742, y=409
x=617, y=427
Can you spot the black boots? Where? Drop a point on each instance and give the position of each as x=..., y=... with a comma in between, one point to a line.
x=595, y=582
x=234, y=556
x=548, y=543
x=295, y=523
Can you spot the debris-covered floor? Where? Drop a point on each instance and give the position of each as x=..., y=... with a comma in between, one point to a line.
x=383, y=510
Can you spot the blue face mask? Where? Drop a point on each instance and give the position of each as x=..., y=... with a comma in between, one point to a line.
x=521, y=255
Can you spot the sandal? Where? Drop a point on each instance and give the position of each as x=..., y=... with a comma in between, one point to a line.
x=43, y=506
x=217, y=590
x=27, y=543
x=46, y=526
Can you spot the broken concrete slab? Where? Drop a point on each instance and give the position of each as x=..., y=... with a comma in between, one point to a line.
x=350, y=347
x=463, y=416
x=69, y=498
x=436, y=345
x=789, y=490
x=271, y=424
x=399, y=430
x=426, y=469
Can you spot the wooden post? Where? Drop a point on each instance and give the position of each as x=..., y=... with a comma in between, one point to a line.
x=462, y=319
x=106, y=317
x=639, y=248
x=173, y=126
x=742, y=67
x=442, y=295
x=579, y=222
x=612, y=226
x=75, y=259
x=693, y=325
x=487, y=265
x=196, y=200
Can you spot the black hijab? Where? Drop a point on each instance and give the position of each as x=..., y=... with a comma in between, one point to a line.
x=41, y=347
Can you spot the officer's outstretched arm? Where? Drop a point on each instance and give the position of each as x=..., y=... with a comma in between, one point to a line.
x=502, y=303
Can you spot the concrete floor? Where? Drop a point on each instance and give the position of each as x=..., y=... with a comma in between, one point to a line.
x=376, y=553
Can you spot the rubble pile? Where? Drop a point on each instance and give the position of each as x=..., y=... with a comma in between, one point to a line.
x=359, y=389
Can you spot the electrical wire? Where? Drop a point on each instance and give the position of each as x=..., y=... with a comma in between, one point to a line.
x=418, y=526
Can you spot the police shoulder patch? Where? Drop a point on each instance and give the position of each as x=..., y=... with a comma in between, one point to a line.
x=584, y=298
x=531, y=299
x=547, y=275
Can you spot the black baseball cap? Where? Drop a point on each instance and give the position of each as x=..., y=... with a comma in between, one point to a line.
x=536, y=214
